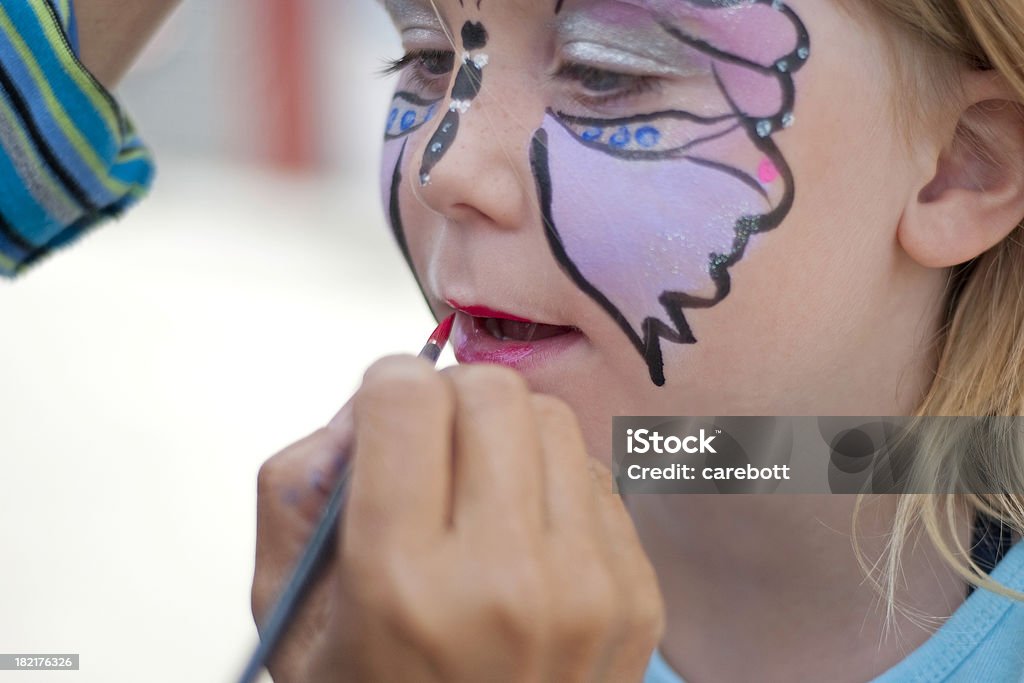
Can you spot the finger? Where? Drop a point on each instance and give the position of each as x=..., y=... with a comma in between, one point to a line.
x=342, y=420
x=401, y=472
x=641, y=621
x=284, y=522
x=343, y=427
x=293, y=486
x=570, y=502
x=624, y=543
x=498, y=481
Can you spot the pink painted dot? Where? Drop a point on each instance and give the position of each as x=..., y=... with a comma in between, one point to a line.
x=767, y=171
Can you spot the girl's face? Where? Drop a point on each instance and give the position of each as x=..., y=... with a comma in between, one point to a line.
x=661, y=206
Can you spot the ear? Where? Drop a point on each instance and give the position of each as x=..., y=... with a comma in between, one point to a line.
x=975, y=197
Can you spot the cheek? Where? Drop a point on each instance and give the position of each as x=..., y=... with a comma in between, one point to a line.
x=638, y=230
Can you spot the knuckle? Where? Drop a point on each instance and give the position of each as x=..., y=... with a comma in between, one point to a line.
x=269, y=477
x=391, y=598
x=646, y=617
x=515, y=609
x=587, y=610
x=604, y=483
x=284, y=468
x=286, y=480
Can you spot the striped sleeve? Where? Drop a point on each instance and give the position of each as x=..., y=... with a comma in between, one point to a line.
x=69, y=156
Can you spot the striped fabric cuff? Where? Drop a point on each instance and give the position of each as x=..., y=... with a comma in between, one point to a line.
x=69, y=156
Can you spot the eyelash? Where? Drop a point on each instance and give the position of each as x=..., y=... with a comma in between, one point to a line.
x=416, y=59
x=580, y=73
x=567, y=72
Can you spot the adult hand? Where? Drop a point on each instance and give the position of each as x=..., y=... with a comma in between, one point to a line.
x=479, y=541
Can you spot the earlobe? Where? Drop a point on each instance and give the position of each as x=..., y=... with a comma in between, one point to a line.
x=975, y=197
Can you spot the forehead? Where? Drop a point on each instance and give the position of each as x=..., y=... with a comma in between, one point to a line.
x=405, y=8
x=713, y=11
x=750, y=31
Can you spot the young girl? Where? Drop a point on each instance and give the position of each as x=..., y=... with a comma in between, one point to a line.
x=680, y=207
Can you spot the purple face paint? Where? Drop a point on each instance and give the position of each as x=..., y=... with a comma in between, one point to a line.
x=648, y=213
x=635, y=229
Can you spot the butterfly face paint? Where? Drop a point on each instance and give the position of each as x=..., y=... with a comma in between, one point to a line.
x=410, y=112
x=467, y=86
x=647, y=213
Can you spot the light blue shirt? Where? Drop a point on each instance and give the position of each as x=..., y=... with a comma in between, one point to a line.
x=982, y=642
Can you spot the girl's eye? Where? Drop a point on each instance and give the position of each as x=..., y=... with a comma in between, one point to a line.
x=437, y=62
x=593, y=79
x=428, y=68
x=601, y=86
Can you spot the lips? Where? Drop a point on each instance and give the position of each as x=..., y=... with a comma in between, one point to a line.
x=487, y=335
x=486, y=312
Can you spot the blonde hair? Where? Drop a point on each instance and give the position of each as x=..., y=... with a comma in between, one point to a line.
x=981, y=344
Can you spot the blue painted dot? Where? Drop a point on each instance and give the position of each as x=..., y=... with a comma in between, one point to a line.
x=430, y=112
x=408, y=120
x=592, y=134
x=621, y=138
x=392, y=117
x=648, y=136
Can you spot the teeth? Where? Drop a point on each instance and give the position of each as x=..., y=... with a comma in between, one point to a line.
x=511, y=330
x=518, y=331
x=493, y=328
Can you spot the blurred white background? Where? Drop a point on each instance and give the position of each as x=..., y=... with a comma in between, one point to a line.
x=149, y=370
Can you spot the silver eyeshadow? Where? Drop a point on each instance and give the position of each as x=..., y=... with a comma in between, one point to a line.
x=410, y=15
x=644, y=49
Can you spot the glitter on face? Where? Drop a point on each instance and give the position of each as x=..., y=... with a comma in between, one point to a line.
x=468, y=82
x=647, y=213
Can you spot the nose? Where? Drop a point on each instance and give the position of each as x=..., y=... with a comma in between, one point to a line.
x=474, y=168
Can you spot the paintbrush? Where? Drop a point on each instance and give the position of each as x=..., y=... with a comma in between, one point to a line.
x=320, y=543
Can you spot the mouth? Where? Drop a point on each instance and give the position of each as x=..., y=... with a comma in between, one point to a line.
x=486, y=335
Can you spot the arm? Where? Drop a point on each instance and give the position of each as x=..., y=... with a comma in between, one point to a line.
x=113, y=32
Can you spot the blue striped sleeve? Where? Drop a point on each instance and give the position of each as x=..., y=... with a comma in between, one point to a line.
x=69, y=156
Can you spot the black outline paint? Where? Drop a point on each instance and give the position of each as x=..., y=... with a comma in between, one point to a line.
x=468, y=83
x=394, y=203
x=646, y=155
x=395, y=212
x=647, y=340
x=474, y=36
